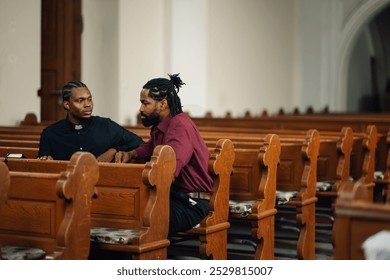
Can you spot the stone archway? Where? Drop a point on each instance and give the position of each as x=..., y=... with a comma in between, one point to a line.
x=349, y=32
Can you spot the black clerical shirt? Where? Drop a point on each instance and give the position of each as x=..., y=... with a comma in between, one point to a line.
x=95, y=135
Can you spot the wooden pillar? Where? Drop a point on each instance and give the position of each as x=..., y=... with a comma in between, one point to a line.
x=61, y=30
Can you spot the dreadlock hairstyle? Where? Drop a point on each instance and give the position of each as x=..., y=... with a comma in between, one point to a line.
x=161, y=88
x=68, y=88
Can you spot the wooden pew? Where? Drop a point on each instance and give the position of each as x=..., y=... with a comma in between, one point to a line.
x=364, y=171
x=51, y=211
x=212, y=205
x=132, y=200
x=356, y=215
x=4, y=187
x=136, y=206
x=306, y=197
x=254, y=180
x=214, y=227
x=353, y=148
x=356, y=220
x=260, y=217
x=212, y=230
x=278, y=124
x=331, y=149
x=254, y=177
x=356, y=161
x=20, y=131
x=329, y=122
x=382, y=184
x=291, y=150
x=296, y=172
x=334, y=165
x=34, y=137
x=19, y=143
x=326, y=194
x=356, y=153
x=31, y=153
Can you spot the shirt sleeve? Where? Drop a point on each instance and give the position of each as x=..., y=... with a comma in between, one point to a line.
x=145, y=150
x=44, y=145
x=178, y=136
x=123, y=139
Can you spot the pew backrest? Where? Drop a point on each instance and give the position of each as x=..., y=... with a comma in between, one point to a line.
x=356, y=219
x=129, y=196
x=4, y=187
x=51, y=211
x=220, y=168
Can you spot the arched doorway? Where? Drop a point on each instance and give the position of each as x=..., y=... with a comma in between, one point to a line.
x=352, y=29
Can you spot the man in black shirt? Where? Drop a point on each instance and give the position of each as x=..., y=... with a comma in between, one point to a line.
x=80, y=131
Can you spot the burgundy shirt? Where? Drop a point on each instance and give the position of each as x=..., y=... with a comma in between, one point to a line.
x=192, y=154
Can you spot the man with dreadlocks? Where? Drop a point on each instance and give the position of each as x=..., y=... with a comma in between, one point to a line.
x=80, y=131
x=161, y=108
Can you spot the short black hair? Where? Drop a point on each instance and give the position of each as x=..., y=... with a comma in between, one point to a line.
x=161, y=88
x=68, y=88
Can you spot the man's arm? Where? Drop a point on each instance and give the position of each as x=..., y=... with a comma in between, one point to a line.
x=123, y=157
x=122, y=138
x=44, y=152
x=107, y=156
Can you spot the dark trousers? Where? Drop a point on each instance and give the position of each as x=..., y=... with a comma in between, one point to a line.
x=183, y=215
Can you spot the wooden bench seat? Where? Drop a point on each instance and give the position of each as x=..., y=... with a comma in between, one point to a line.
x=136, y=197
x=296, y=173
x=353, y=146
x=296, y=145
x=254, y=181
x=334, y=164
x=356, y=220
x=254, y=178
x=51, y=211
x=323, y=123
x=129, y=197
x=4, y=187
x=212, y=230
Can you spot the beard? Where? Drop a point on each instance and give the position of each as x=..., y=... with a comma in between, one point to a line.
x=150, y=120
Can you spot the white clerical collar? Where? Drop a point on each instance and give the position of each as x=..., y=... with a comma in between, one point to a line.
x=78, y=126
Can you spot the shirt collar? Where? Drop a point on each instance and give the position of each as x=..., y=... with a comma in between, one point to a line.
x=163, y=125
x=82, y=126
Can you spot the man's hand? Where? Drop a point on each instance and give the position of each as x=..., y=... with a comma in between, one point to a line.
x=107, y=156
x=46, y=158
x=122, y=157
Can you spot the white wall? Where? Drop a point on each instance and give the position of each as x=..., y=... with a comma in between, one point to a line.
x=100, y=55
x=188, y=52
x=250, y=56
x=19, y=59
x=316, y=23
x=142, y=51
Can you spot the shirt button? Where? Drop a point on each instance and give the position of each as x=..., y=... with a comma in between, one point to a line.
x=78, y=132
x=81, y=148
